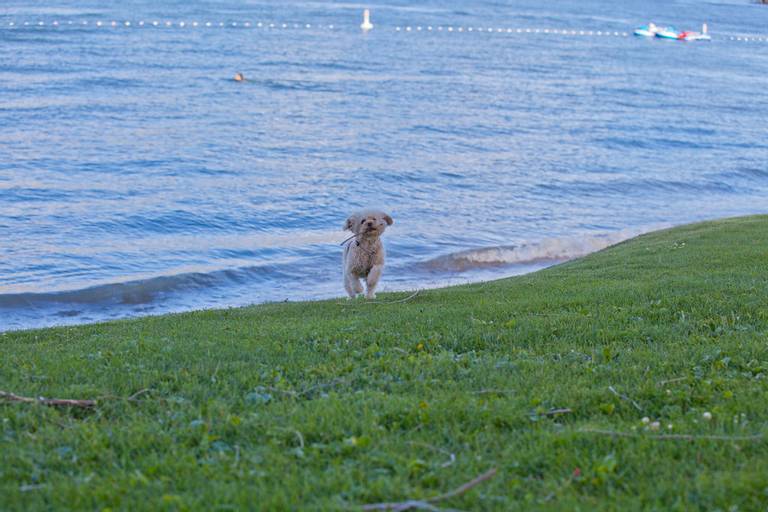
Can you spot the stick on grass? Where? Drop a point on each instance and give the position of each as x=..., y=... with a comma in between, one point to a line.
x=672, y=437
x=54, y=402
x=427, y=504
x=398, y=301
x=625, y=397
x=451, y=456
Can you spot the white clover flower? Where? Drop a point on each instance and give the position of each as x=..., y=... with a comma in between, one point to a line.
x=646, y=420
x=655, y=425
x=707, y=415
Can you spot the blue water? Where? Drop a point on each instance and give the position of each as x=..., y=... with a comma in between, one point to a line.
x=136, y=177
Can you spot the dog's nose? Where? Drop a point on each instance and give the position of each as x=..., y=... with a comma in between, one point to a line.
x=370, y=223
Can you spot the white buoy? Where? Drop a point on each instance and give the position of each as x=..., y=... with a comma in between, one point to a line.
x=366, y=25
x=704, y=28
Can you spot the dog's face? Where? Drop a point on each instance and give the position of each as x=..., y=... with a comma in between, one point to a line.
x=368, y=223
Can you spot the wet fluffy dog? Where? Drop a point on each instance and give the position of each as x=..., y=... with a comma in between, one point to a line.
x=364, y=253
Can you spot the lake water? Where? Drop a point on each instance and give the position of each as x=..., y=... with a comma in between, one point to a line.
x=136, y=177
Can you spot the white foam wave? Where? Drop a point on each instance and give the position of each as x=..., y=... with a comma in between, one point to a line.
x=549, y=250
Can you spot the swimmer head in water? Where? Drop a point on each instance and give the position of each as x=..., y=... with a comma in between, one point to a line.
x=239, y=77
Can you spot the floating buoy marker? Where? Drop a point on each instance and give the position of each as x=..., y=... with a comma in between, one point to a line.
x=366, y=25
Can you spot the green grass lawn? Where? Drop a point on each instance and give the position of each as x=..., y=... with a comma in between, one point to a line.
x=332, y=405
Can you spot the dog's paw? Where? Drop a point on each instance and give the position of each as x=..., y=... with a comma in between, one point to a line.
x=370, y=296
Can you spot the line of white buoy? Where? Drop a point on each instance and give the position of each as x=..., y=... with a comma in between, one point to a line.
x=508, y=30
x=166, y=24
x=546, y=31
x=365, y=26
x=748, y=39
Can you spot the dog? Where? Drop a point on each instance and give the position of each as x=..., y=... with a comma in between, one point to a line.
x=364, y=253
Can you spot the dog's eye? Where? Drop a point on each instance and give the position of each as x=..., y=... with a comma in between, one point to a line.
x=362, y=221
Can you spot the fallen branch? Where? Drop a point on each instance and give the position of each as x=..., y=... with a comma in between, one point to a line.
x=411, y=296
x=292, y=394
x=237, y=456
x=133, y=398
x=451, y=456
x=417, y=505
x=55, y=402
x=305, y=392
x=427, y=504
x=670, y=381
x=137, y=394
x=557, y=412
x=625, y=397
x=672, y=437
x=322, y=385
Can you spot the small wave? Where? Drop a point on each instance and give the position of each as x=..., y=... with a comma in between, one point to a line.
x=655, y=143
x=750, y=172
x=137, y=292
x=547, y=251
x=298, y=85
x=634, y=187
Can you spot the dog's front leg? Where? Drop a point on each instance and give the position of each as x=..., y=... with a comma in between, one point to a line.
x=352, y=284
x=372, y=280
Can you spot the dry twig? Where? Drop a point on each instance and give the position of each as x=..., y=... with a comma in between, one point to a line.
x=625, y=397
x=56, y=402
x=672, y=437
x=305, y=392
x=450, y=455
x=670, y=381
x=322, y=385
x=237, y=456
x=134, y=397
x=428, y=503
x=557, y=412
x=411, y=296
x=61, y=402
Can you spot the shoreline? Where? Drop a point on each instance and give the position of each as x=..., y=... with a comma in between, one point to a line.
x=493, y=272
x=134, y=298
x=506, y=270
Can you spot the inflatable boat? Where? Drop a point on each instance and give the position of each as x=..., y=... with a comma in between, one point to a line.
x=668, y=33
x=648, y=30
x=690, y=35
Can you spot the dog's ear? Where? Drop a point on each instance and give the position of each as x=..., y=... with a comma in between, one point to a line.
x=388, y=219
x=350, y=223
